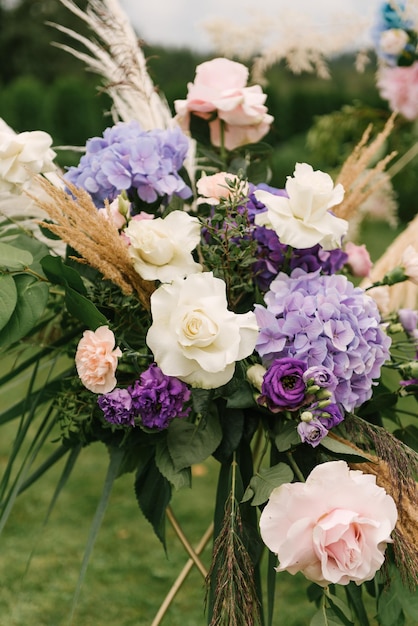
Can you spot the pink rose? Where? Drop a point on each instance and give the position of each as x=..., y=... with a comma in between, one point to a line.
x=96, y=360
x=214, y=188
x=220, y=86
x=334, y=528
x=399, y=86
x=358, y=260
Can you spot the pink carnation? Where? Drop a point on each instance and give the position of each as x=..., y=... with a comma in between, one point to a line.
x=220, y=86
x=96, y=360
x=358, y=260
x=399, y=86
x=334, y=528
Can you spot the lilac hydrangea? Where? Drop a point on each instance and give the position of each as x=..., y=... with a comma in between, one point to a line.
x=146, y=164
x=158, y=398
x=117, y=407
x=325, y=321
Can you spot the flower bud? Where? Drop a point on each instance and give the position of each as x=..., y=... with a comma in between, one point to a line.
x=306, y=416
x=255, y=375
x=409, y=369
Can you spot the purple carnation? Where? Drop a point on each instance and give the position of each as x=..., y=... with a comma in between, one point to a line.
x=144, y=163
x=158, y=398
x=312, y=432
x=326, y=322
x=283, y=387
x=117, y=407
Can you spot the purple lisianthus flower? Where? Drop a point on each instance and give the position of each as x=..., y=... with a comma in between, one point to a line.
x=283, y=387
x=409, y=320
x=330, y=416
x=158, y=398
x=321, y=376
x=312, y=432
x=117, y=407
x=326, y=322
x=145, y=164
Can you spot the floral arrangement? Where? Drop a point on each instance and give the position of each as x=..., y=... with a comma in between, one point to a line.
x=201, y=311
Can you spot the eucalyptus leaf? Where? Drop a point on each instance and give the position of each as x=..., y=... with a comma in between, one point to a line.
x=262, y=484
x=8, y=298
x=14, y=258
x=192, y=443
x=32, y=297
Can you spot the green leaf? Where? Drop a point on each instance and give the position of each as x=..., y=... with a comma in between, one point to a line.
x=262, y=484
x=389, y=607
x=408, y=599
x=60, y=274
x=340, y=609
x=153, y=493
x=287, y=437
x=8, y=298
x=32, y=297
x=12, y=258
x=177, y=478
x=409, y=436
x=193, y=443
x=354, y=595
x=241, y=398
x=84, y=310
x=326, y=617
x=339, y=449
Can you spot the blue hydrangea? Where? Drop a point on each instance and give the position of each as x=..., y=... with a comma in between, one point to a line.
x=145, y=164
x=390, y=17
x=326, y=321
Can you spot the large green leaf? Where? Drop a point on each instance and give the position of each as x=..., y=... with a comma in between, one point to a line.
x=8, y=298
x=13, y=258
x=192, y=443
x=262, y=484
x=177, y=478
x=32, y=297
x=153, y=493
x=84, y=310
x=61, y=274
x=342, y=450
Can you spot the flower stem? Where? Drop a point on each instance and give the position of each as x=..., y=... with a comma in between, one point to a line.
x=295, y=467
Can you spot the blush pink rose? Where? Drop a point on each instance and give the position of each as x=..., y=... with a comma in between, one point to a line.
x=96, y=360
x=215, y=187
x=399, y=86
x=358, y=260
x=334, y=528
x=220, y=87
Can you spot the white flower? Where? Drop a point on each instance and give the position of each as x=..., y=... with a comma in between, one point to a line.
x=23, y=155
x=193, y=335
x=303, y=219
x=161, y=248
x=393, y=41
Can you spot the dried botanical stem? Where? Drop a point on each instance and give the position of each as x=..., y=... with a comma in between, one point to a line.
x=356, y=176
x=180, y=534
x=97, y=240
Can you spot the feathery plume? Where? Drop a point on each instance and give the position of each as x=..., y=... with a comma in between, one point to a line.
x=117, y=56
x=97, y=240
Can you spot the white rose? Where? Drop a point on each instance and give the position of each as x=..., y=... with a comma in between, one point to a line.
x=393, y=41
x=193, y=335
x=303, y=219
x=23, y=155
x=161, y=248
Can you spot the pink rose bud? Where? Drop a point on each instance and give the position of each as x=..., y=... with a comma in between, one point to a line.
x=359, y=261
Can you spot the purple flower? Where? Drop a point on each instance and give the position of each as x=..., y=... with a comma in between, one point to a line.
x=330, y=416
x=326, y=322
x=283, y=387
x=144, y=163
x=409, y=320
x=117, y=407
x=321, y=376
x=312, y=432
x=158, y=398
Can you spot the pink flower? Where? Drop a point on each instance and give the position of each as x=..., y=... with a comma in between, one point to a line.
x=334, y=528
x=214, y=188
x=358, y=260
x=96, y=360
x=410, y=264
x=399, y=86
x=220, y=87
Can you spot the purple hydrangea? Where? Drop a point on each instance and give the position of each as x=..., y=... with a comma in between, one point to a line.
x=143, y=163
x=117, y=407
x=325, y=321
x=158, y=398
x=283, y=387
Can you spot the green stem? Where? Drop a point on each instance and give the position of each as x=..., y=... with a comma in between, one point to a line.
x=295, y=467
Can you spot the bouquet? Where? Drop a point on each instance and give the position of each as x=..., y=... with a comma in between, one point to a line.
x=195, y=311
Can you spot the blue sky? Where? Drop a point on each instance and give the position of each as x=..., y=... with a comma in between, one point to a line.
x=180, y=22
